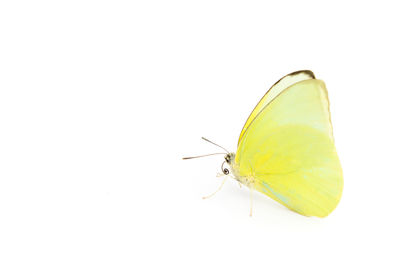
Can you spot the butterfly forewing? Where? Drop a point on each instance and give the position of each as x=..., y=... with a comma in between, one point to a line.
x=274, y=91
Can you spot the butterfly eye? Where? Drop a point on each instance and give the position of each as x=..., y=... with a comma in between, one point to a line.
x=228, y=158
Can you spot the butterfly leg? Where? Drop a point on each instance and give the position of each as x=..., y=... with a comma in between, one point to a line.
x=219, y=188
x=251, y=201
x=251, y=187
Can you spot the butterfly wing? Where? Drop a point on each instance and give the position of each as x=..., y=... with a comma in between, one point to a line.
x=289, y=149
x=275, y=90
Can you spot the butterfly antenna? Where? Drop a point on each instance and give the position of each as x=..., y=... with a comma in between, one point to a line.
x=205, y=139
x=203, y=156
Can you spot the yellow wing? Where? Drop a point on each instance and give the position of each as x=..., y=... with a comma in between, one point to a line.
x=288, y=148
x=275, y=90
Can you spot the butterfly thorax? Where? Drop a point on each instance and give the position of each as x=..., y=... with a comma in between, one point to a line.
x=245, y=180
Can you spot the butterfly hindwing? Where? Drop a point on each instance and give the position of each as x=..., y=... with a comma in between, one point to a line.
x=289, y=149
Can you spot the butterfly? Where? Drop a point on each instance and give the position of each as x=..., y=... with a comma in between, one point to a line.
x=286, y=148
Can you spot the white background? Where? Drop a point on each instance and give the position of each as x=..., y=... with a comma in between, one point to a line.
x=99, y=100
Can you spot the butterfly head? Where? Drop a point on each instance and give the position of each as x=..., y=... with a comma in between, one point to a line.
x=229, y=158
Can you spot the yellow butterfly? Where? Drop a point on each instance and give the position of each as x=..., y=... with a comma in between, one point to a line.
x=286, y=148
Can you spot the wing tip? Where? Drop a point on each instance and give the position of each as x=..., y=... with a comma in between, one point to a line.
x=308, y=72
